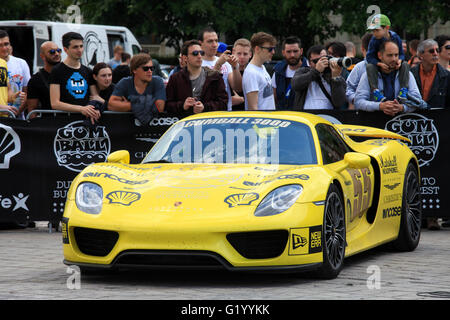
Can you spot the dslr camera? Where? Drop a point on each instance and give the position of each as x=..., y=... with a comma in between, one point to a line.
x=344, y=62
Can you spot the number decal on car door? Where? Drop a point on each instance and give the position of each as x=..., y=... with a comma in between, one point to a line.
x=362, y=191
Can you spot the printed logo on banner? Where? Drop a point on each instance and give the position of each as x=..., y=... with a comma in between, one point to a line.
x=421, y=131
x=9, y=145
x=76, y=146
x=14, y=202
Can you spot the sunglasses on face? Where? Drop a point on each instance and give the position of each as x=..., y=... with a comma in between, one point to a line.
x=447, y=47
x=315, y=60
x=53, y=51
x=270, y=49
x=146, y=68
x=197, y=52
x=433, y=50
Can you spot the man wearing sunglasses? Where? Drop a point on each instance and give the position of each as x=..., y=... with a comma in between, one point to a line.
x=321, y=85
x=18, y=73
x=444, y=50
x=432, y=79
x=194, y=88
x=256, y=81
x=39, y=84
x=142, y=93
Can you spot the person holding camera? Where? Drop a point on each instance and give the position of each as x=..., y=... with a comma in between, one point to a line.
x=321, y=85
x=226, y=63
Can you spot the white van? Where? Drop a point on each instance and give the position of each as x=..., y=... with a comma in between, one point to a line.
x=26, y=38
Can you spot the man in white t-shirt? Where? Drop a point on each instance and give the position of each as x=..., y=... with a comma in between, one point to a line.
x=18, y=73
x=227, y=64
x=256, y=81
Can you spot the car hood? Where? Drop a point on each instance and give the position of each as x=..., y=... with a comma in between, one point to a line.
x=195, y=187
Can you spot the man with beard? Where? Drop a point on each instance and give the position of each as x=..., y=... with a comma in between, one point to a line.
x=38, y=86
x=284, y=71
x=388, y=81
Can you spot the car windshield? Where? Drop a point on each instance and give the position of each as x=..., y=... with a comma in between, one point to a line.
x=236, y=140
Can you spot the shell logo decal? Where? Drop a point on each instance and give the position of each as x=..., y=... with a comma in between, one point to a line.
x=123, y=197
x=241, y=199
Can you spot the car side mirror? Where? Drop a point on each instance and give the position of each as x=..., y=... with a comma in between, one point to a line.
x=121, y=156
x=357, y=160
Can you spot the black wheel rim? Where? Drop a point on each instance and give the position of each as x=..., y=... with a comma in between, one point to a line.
x=413, y=206
x=335, y=230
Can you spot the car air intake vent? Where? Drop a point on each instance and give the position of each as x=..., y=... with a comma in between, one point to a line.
x=150, y=258
x=95, y=242
x=259, y=244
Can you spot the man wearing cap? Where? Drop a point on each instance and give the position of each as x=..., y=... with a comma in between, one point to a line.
x=380, y=27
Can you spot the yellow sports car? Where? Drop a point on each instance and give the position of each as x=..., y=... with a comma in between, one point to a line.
x=285, y=191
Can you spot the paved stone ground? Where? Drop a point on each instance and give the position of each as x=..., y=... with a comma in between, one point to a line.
x=31, y=268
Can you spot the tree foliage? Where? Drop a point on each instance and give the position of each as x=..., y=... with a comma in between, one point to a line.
x=178, y=20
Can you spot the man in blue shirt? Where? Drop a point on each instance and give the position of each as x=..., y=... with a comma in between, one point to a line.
x=380, y=27
x=388, y=82
x=142, y=93
x=358, y=70
x=284, y=71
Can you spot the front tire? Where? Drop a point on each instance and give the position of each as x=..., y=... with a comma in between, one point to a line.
x=333, y=238
x=411, y=218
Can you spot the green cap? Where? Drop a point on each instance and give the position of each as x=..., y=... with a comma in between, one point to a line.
x=378, y=21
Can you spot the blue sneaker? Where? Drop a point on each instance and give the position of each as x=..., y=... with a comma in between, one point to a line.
x=403, y=94
x=378, y=96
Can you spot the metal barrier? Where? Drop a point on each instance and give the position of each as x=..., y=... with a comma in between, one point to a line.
x=40, y=112
x=10, y=113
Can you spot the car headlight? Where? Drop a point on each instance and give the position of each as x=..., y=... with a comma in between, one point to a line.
x=279, y=200
x=89, y=198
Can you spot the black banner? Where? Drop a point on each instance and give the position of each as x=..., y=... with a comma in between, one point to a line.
x=39, y=158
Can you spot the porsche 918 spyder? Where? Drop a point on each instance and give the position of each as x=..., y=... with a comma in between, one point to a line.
x=284, y=191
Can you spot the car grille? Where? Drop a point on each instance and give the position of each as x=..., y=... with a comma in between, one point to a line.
x=95, y=242
x=259, y=244
x=169, y=258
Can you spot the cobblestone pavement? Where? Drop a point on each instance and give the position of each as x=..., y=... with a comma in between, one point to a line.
x=31, y=268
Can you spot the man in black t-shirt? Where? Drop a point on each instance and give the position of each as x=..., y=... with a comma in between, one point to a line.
x=123, y=69
x=71, y=83
x=39, y=84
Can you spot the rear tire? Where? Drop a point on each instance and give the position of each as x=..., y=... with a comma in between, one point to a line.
x=333, y=235
x=411, y=216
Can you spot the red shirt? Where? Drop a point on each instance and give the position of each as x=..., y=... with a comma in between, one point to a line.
x=427, y=79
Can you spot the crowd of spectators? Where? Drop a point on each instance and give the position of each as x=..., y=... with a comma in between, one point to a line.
x=393, y=76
